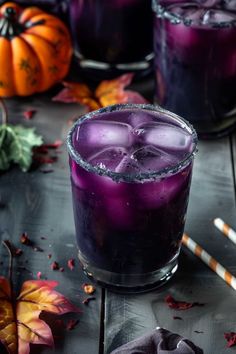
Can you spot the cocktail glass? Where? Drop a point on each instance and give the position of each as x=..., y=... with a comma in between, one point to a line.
x=111, y=37
x=195, y=62
x=131, y=168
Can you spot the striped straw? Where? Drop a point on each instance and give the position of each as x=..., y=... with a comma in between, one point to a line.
x=209, y=261
x=225, y=229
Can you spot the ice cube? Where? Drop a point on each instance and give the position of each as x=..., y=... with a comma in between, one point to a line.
x=152, y=159
x=230, y=5
x=165, y=136
x=98, y=133
x=218, y=17
x=139, y=117
x=128, y=165
x=108, y=158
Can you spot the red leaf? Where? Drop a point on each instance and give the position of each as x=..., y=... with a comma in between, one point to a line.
x=29, y=114
x=180, y=305
x=231, y=339
x=19, y=317
x=71, y=263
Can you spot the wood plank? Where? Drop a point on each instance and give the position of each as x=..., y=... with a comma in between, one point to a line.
x=40, y=204
x=212, y=195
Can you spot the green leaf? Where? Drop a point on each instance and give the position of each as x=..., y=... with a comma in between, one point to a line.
x=20, y=148
x=16, y=144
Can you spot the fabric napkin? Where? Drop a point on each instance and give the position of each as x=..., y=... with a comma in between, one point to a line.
x=159, y=341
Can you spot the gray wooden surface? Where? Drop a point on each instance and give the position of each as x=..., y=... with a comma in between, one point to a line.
x=40, y=204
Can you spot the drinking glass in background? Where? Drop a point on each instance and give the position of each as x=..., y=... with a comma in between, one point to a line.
x=195, y=62
x=131, y=169
x=111, y=37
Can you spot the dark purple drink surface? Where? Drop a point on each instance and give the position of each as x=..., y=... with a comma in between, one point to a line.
x=130, y=188
x=117, y=31
x=195, y=61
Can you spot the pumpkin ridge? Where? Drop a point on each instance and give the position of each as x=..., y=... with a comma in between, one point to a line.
x=32, y=72
x=36, y=55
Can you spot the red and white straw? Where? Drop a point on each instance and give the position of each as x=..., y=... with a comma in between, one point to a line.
x=225, y=229
x=209, y=261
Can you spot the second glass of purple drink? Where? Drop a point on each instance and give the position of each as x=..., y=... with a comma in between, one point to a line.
x=112, y=36
x=131, y=168
x=195, y=62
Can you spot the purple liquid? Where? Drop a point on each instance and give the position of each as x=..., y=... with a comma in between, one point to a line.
x=113, y=32
x=195, y=61
x=126, y=221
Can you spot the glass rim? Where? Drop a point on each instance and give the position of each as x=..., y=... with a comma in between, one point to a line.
x=131, y=177
x=163, y=11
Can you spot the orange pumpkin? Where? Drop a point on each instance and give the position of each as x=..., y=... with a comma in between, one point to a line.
x=35, y=50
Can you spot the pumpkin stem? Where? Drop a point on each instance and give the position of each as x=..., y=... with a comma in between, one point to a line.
x=4, y=115
x=9, y=26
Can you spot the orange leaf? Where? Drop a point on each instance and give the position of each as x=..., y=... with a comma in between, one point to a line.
x=76, y=92
x=107, y=93
x=20, y=324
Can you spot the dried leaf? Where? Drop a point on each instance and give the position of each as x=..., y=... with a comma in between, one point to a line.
x=180, y=305
x=20, y=324
x=107, y=93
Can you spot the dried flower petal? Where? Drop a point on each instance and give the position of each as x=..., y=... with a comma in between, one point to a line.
x=57, y=143
x=54, y=266
x=24, y=239
x=71, y=263
x=18, y=252
x=180, y=305
x=29, y=114
x=71, y=324
x=37, y=249
x=231, y=339
x=49, y=256
x=177, y=318
x=88, y=299
x=39, y=274
x=88, y=288
x=61, y=269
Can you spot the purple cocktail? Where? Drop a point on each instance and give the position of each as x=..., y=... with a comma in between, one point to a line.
x=195, y=61
x=130, y=171
x=112, y=36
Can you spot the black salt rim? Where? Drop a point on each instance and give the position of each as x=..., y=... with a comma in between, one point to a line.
x=164, y=11
x=134, y=177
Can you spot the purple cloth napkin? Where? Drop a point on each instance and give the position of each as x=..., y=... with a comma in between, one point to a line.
x=159, y=341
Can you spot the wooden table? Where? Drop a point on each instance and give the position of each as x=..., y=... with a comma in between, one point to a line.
x=40, y=204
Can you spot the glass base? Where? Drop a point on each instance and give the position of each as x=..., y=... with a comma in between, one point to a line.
x=100, y=70
x=129, y=283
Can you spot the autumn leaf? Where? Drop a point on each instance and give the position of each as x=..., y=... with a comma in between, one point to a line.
x=20, y=324
x=108, y=92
